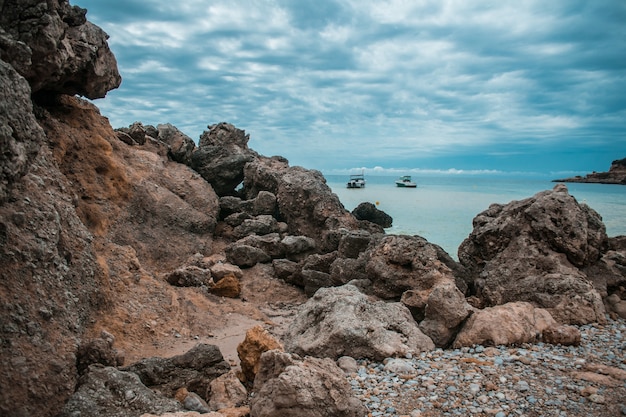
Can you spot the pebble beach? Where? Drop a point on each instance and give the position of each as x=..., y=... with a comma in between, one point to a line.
x=502, y=381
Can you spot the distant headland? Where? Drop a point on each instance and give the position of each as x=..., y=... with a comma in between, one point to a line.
x=615, y=175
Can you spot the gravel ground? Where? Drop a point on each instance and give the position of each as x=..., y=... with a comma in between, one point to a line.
x=526, y=380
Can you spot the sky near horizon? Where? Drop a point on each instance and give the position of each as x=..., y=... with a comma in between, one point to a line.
x=396, y=85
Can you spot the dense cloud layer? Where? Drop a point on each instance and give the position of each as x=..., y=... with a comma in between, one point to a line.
x=329, y=84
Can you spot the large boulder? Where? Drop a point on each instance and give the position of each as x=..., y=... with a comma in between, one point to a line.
x=109, y=392
x=193, y=370
x=368, y=211
x=288, y=385
x=508, y=324
x=257, y=341
x=181, y=146
x=342, y=321
x=305, y=202
x=533, y=250
x=56, y=49
x=400, y=263
x=221, y=156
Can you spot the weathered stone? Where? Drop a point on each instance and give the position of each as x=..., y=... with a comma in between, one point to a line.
x=348, y=365
x=221, y=269
x=259, y=225
x=109, y=392
x=400, y=263
x=257, y=341
x=344, y=270
x=229, y=286
x=368, y=211
x=268, y=243
x=63, y=53
x=532, y=250
x=562, y=335
x=287, y=385
x=221, y=156
x=191, y=401
x=189, y=276
x=99, y=350
x=288, y=271
x=616, y=305
x=341, y=321
x=298, y=247
x=246, y=256
x=353, y=243
x=180, y=145
x=507, y=324
x=193, y=370
x=227, y=391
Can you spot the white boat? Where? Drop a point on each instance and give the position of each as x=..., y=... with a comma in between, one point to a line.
x=405, y=181
x=356, y=181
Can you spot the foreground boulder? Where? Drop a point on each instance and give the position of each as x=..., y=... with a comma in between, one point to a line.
x=288, y=385
x=342, y=321
x=508, y=324
x=109, y=392
x=193, y=370
x=533, y=250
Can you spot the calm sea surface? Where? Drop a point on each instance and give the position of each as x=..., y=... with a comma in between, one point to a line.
x=441, y=208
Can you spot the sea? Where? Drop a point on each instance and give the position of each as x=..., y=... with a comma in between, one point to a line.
x=441, y=208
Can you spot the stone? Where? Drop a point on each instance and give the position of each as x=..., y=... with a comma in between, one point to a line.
x=189, y=276
x=257, y=341
x=229, y=286
x=353, y=243
x=221, y=269
x=97, y=350
x=227, y=391
x=561, y=335
x=288, y=385
x=193, y=370
x=534, y=250
x=258, y=225
x=368, y=211
x=347, y=364
x=342, y=321
x=298, y=247
x=507, y=324
x=245, y=256
x=107, y=391
x=191, y=401
x=181, y=146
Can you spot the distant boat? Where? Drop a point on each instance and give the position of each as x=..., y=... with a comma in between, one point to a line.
x=356, y=181
x=405, y=182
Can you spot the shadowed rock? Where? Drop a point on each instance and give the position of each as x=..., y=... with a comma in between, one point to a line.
x=369, y=212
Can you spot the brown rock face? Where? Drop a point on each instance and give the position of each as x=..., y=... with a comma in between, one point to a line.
x=534, y=250
x=257, y=341
x=56, y=49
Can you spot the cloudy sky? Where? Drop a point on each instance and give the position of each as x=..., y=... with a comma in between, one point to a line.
x=532, y=85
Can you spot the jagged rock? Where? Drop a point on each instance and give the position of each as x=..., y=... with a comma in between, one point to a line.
x=59, y=52
x=445, y=310
x=20, y=134
x=342, y=321
x=189, y=276
x=561, y=335
x=615, y=175
x=109, y=392
x=246, y=256
x=138, y=133
x=369, y=212
x=532, y=250
x=616, y=305
x=259, y=225
x=287, y=385
x=257, y=341
x=400, y=263
x=227, y=391
x=181, y=146
x=288, y=271
x=507, y=324
x=229, y=286
x=221, y=269
x=221, y=156
x=305, y=202
x=193, y=370
x=97, y=350
x=270, y=244
x=345, y=270
x=298, y=247
x=353, y=243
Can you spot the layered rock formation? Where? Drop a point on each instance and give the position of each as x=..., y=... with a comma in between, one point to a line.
x=615, y=175
x=135, y=242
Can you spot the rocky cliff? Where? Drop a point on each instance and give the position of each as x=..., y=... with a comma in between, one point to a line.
x=138, y=247
x=615, y=175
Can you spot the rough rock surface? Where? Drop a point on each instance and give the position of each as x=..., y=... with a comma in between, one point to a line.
x=193, y=370
x=533, y=250
x=257, y=341
x=288, y=385
x=109, y=392
x=508, y=324
x=368, y=211
x=56, y=49
x=342, y=321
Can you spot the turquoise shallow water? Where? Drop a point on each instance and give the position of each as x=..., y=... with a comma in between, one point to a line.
x=441, y=208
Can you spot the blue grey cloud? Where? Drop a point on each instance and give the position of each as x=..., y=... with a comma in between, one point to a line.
x=340, y=84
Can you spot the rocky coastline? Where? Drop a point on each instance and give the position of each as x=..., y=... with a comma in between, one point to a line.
x=142, y=274
x=615, y=175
